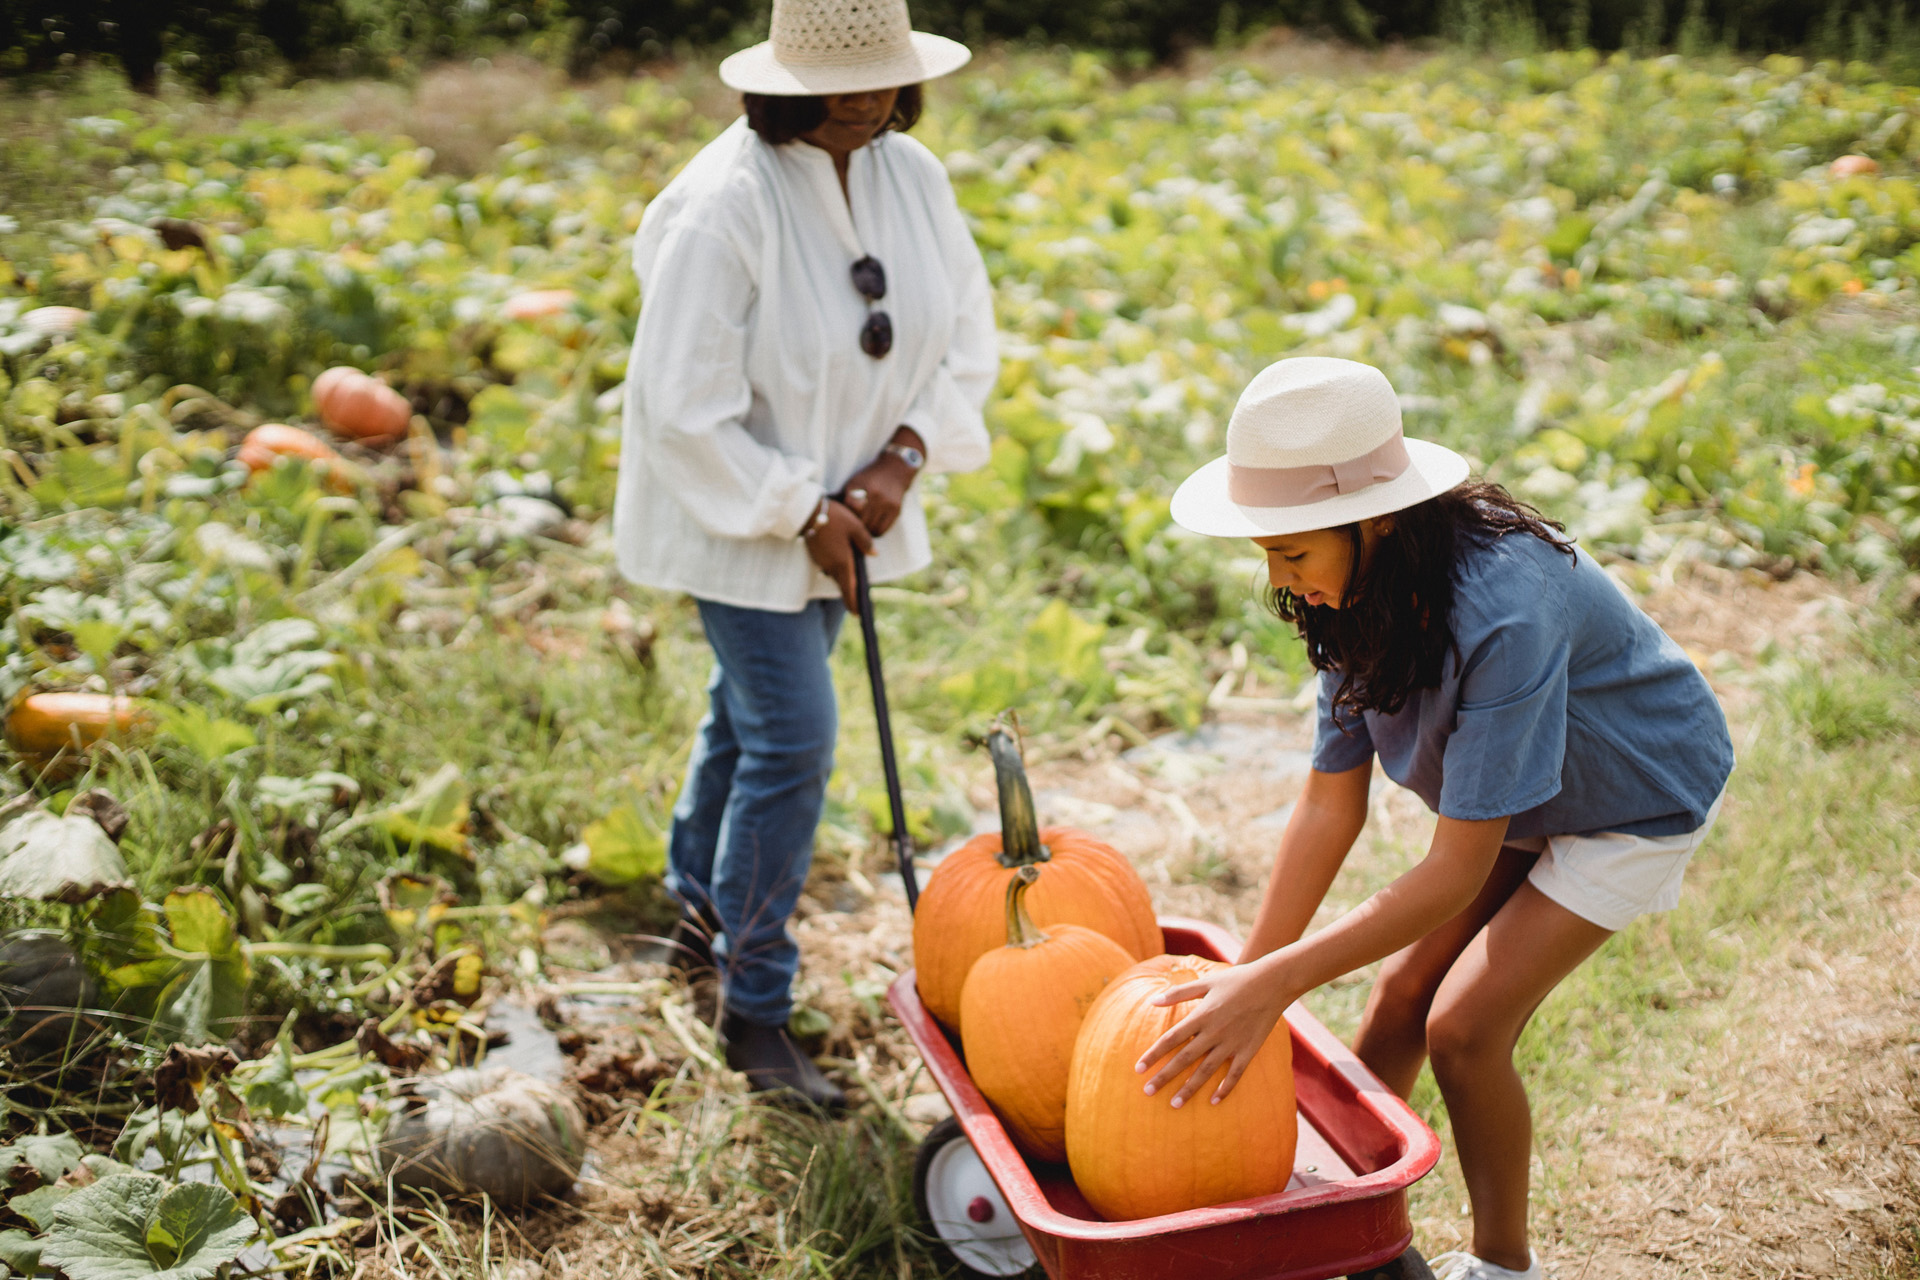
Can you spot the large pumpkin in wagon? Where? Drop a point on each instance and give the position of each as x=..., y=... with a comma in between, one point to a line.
x=1022, y=1006
x=962, y=912
x=1135, y=1156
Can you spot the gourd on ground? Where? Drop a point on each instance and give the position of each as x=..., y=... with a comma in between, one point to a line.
x=271, y=441
x=1022, y=1006
x=360, y=406
x=41, y=725
x=961, y=915
x=1135, y=1156
x=486, y=1130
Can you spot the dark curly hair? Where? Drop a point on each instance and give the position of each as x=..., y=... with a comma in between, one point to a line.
x=780, y=118
x=1394, y=628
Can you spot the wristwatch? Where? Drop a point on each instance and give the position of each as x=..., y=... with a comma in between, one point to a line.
x=907, y=454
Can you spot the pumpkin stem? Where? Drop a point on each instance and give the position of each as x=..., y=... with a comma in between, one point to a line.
x=1019, y=829
x=1021, y=931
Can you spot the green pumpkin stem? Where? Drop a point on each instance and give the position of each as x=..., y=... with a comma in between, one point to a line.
x=1019, y=829
x=1021, y=931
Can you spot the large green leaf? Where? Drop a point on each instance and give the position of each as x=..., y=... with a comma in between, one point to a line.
x=199, y=969
x=51, y=859
x=133, y=1227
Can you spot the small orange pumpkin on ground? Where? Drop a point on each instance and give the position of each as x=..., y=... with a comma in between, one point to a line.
x=1853, y=166
x=1022, y=1006
x=273, y=440
x=962, y=911
x=41, y=725
x=360, y=406
x=534, y=304
x=1135, y=1156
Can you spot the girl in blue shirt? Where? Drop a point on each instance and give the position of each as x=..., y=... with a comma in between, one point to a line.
x=1574, y=756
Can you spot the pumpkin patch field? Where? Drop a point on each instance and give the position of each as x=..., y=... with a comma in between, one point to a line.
x=338, y=756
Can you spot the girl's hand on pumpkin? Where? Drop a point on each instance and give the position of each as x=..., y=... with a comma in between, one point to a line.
x=1236, y=1010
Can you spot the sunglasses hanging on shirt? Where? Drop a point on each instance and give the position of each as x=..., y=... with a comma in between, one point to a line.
x=870, y=278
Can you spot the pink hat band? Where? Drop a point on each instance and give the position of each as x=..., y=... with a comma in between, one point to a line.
x=1298, y=486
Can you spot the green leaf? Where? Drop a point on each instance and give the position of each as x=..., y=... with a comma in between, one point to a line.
x=20, y=1251
x=619, y=849
x=51, y=1155
x=209, y=737
x=433, y=813
x=500, y=415
x=206, y=989
x=37, y=1206
x=49, y=859
x=132, y=1227
x=276, y=1090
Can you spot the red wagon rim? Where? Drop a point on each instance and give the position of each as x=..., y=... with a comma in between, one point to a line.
x=1418, y=1146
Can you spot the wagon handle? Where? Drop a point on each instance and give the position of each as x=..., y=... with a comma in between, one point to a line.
x=902, y=846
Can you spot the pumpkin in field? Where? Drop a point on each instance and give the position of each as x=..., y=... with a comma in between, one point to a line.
x=360, y=406
x=1022, y=1006
x=534, y=304
x=41, y=725
x=271, y=441
x=487, y=1130
x=1853, y=166
x=962, y=911
x=1135, y=1156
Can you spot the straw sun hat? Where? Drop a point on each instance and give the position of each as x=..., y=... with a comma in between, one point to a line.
x=841, y=46
x=1314, y=443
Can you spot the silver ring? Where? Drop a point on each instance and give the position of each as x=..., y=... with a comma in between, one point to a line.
x=856, y=498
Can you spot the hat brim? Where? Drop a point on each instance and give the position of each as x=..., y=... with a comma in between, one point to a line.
x=756, y=70
x=1202, y=504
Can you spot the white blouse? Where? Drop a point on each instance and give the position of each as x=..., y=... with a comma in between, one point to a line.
x=748, y=396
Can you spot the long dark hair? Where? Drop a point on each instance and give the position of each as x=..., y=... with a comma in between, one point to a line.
x=780, y=118
x=1394, y=628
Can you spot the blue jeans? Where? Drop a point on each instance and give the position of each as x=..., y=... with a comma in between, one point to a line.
x=742, y=834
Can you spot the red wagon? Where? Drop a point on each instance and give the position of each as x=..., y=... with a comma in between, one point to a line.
x=1343, y=1213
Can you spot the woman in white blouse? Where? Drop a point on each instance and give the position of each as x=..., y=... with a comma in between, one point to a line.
x=816, y=330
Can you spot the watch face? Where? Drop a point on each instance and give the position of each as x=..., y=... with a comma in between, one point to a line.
x=910, y=455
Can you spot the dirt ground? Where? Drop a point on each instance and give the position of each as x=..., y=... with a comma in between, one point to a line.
x=1774, y=1134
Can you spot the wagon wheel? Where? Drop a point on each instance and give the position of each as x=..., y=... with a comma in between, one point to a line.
x=957, y=1199
x=1408, y=1266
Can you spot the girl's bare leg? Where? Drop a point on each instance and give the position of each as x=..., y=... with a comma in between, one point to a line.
x=1392, y=1039
x=1484, y=1001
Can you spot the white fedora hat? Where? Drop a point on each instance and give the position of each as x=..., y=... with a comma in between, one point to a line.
x=1314, y=443
x=841, y=46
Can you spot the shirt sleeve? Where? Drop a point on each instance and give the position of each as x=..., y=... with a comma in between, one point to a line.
x=1342, y=744
x=1509, y=741
x=947, y=412
x=691, y=361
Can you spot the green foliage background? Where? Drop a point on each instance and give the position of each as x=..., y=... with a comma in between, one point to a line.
x=234, y=43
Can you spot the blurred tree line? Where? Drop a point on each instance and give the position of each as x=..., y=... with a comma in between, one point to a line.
x=215, y=44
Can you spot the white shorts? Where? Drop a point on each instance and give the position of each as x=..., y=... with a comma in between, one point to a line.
x=1612, y=877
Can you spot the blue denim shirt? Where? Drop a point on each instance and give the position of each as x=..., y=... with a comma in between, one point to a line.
x=1563, y=707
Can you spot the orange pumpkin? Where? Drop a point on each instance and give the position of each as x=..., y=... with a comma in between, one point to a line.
x=1853, y=166
x=360, y=406
x=1135, y=1156
x=273, y=440
x=962, y=911
x=534, y=304
x=41, y=725
x=1021, y=1007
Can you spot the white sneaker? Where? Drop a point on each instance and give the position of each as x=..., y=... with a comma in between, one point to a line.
x=1461, y=1265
